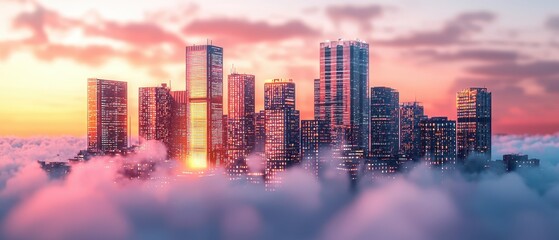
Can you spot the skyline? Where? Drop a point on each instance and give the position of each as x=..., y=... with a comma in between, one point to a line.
x=62, y=48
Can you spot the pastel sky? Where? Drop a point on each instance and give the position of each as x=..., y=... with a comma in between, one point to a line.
x=427, y=50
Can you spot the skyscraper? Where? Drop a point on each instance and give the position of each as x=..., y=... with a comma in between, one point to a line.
x=282, y=128
x=411, y=113
x=385, y=121
x=342, y=90
x=107, y=116
x=473, y=123
x=315, y=142
x=177, y=147
x=260, y=131
x=240, y=124
x=154, y=114
x=438, y=142
x=204, y=84
x=241, y=103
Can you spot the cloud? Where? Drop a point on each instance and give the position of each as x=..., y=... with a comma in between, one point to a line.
x=552, y=23
x=534, y=69
x=140, y=34
x=417, y=205
x=479, y=55
x=361, y=15
x=243, y=31
x=457, y=31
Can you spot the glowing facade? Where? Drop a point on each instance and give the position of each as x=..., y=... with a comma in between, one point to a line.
x=385, y=121
x=282, y=128
x=204, y=84
x=473, y=123
x=411, y=113
x=107, y=116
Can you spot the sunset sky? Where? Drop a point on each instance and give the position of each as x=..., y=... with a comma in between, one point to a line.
x=427, y=50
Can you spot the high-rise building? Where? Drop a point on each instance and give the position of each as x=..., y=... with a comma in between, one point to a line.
x=154, y=114
x=107, y=116
x=385, y=121
x=438, y=142
x=342, y=91
x=282, y=129
x=514, y=162
x=473, y=123
x=240, y=127
x=240, y=123
x=411, y=113
x=315, y=142
x=204, y=84
x=177, y=147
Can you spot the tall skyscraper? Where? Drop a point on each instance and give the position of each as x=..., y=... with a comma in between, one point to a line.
x=316, y=96
x=154, y=114
x=240, y=124
x=438, y=142
x=107, y=116
x=179, y=129
x=411, y=113
x=473, y=123
x=385, y=121
x=204, y=84
x=240, y=127
x=282, y=128
x=315, y=142
x=342, y=90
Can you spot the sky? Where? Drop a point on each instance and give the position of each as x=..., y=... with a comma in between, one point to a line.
x=427, y=50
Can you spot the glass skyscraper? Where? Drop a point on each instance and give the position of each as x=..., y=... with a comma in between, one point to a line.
x=342, y=90
x=240, y=123
x=204, y=85
x=385, y=122
x=473, y=107
x=107, y=116
x=282, y=129
x=177, y=147
x=154, y=114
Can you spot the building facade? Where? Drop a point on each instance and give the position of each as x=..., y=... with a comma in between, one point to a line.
x=240, y=124
x=385, y=121
x=315, y=145
x=179, y=130
x=438, y=142
x=204, y=84
x=107, y=116
x=473, y=123
x=342, y=93
x=411, y=114
x=282, y=129
x=154, y=114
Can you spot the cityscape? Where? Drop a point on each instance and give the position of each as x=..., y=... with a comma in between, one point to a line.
x=364, y=132
x=319, y=120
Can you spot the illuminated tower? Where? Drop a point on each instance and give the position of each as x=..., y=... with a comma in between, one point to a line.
x=411, y=113
x=177, y=147
x=107, y=116
x=385, y=121
x=473, y=123
x=342, y=91
x=204, y=85
x=282, y=128
x=438, y=142
x=154, y=115
x=240, y=123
